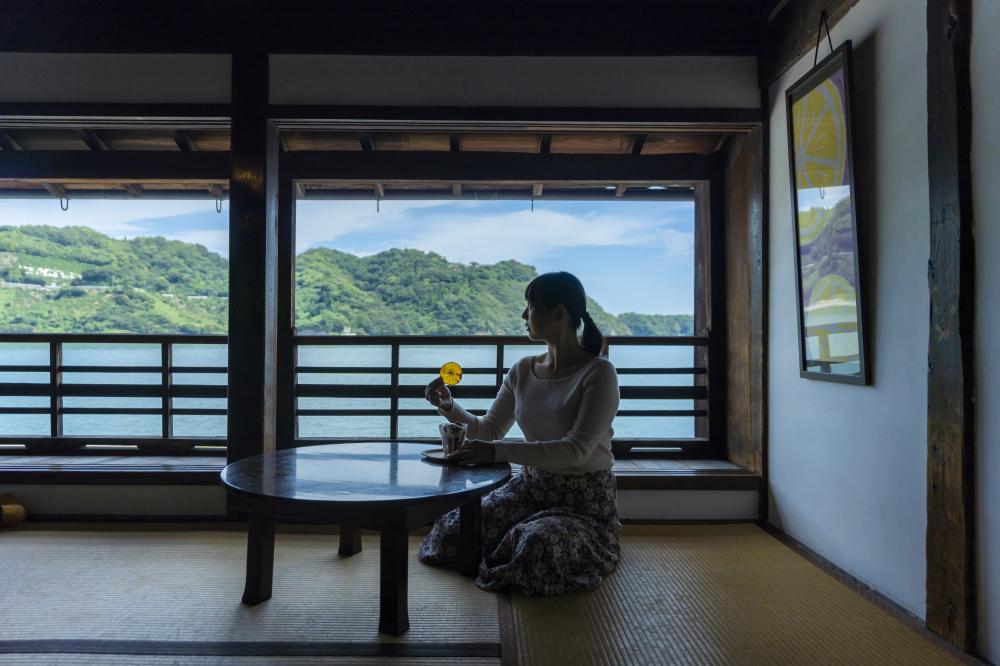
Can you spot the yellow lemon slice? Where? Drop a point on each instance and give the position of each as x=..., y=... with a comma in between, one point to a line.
x=451, y=373
x=820, y=137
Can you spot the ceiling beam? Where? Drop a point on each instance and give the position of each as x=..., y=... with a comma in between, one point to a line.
x=637, y=143
x=67, y=165
x=440, y=28
x=183, y=141
x=7, y=142
x=470, y=167
x=55, y=190
x=93, y=141
x=792, y=32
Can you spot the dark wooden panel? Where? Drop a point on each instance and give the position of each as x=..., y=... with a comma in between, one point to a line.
x=744, y=344
x=442, y=27
x=513, y=118
x=791, y=34
x=951, y=577
x=139, y=165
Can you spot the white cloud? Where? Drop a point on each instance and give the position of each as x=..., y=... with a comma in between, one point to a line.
x=469, y=234
x=322, y=222
x=113, y=218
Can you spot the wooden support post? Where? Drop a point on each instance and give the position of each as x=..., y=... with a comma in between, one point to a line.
x=286, y=422
x=252, y=261
x=951, y=570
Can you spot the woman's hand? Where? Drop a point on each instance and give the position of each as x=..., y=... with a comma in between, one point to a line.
x=437, y=394
x=474, y=452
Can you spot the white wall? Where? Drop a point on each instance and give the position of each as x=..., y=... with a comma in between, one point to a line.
x=515, y=81
x=848, y=463
x=98, y=77
x=986, y=208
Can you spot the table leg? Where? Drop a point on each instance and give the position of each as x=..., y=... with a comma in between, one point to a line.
x=260, y=559
x=394, y=615
x=350, y=540
x=469, y=531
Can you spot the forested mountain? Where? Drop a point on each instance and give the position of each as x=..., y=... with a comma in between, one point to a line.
x=75, y=279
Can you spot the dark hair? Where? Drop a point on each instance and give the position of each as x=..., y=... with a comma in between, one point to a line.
x=562, y=288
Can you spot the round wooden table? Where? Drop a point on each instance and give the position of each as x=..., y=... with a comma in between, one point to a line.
x=383, y=486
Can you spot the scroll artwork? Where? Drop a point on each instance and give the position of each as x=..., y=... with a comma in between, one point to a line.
x=829, y=287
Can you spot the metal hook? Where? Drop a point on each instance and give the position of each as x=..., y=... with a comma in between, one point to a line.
x=218, y=205
x=532, y=204
x=64, y=204
x=377, y=210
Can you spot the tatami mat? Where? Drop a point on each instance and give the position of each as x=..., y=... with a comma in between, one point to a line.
x=683, y=594
x=150, y=660
x=186, y=586
x=714, y=594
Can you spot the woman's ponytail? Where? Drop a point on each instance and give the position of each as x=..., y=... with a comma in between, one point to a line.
x=592, y=339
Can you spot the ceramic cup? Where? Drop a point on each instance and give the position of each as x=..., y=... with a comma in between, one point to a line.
x=452, y=436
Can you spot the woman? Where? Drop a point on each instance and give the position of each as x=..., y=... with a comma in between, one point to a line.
x=553, y=528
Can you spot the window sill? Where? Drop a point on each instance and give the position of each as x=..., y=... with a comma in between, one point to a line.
x=631, y=474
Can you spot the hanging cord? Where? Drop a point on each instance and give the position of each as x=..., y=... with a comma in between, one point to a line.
x=218, y=205
x=64, y=204
x=819, y=36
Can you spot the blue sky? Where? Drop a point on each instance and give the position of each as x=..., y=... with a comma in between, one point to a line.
x=630, y=256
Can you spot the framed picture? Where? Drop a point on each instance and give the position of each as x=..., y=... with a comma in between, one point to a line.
x=832, y=342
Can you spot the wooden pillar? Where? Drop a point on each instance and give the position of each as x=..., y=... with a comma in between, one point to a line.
x=745, y=300
x=252, y=261
x=951, y=571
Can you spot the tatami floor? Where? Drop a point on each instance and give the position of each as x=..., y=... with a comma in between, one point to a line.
x=682, y=594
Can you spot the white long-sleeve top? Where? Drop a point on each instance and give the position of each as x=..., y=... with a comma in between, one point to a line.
x=566, y=421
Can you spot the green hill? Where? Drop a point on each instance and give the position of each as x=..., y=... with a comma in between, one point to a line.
x=74, y=279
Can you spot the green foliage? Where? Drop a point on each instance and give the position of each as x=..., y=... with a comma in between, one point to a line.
x=154, y=285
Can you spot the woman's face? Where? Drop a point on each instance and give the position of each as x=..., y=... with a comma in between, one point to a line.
x=540, y=324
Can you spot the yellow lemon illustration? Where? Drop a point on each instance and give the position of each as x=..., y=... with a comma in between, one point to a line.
x=820, y=137
x=451, y=373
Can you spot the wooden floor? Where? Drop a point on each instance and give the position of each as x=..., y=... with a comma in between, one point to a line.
x=682, y=594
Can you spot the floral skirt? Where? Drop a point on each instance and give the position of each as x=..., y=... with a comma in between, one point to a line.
x=542, y=533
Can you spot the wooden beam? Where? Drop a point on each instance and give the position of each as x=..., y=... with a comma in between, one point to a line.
x=252, y=346
x=454, y=143
x=637, y=143
x=521, y=119
x=367, y=143
x=791, y=34
x=61, y=165
x=468, y=167
x=545, y=143
x=183, y=141
x=951, y=498
x=55, y=190
x=91, y=138
x=445, y=28
x=7, y=142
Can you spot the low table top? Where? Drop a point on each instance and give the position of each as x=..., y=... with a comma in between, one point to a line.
x=358, y=472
